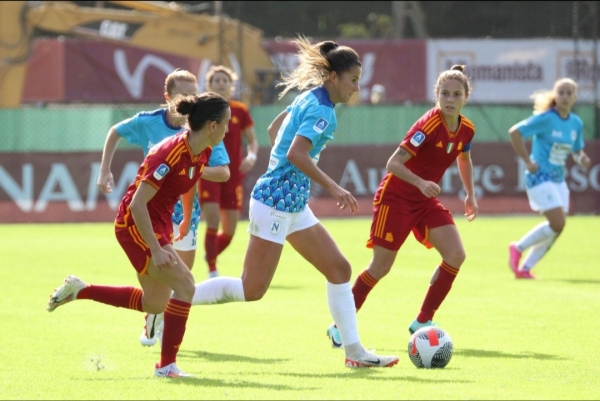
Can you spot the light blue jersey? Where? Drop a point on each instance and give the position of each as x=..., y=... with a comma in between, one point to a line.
x=554, y=138
x=146, y=129
x=284, y=187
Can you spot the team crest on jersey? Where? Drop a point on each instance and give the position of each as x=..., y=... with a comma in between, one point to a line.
x=320, y=125
x=161, y=171
x=417, y=139
x=191, y=172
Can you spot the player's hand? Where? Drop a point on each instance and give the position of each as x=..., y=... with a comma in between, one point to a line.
x=184, y=229
x=163, y=260
x=430, y=189
x=531, y=166
x=247, y=165
x=471, y=208
x=345, y=199
x=105, y=182
x=585, y=161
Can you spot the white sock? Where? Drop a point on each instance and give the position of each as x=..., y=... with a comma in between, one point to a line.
x=536, y=253
x=343, y=311
x=219, y=290
x=536, y=235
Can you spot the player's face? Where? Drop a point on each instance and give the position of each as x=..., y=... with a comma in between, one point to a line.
x=565, y=96
x=221, y=128
x=451, y=97
x=346, y=84
x=221, y=84
x=184, y=88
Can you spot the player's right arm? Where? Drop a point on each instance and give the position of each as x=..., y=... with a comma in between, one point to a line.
x=105, y=179
x=139, y=211
x=275, y=125
x=516, y=139
x=397, y=166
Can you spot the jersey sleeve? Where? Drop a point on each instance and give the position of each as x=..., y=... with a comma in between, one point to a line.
x=415, y=139
x=315, y=122
x=157, y=169
x=536, y=124
x=219, y=156
x=130, y=130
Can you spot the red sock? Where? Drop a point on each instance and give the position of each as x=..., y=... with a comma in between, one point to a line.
x=362, y=286
x=121, y=297
x=176, y=316
x=210, y=246
x=437, y=292
x=223, y=241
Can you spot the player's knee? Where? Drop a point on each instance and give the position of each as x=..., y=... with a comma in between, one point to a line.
x=340, y=273
x=185, y=288
x=254, y=293
x=557, y=226
x=456, y=257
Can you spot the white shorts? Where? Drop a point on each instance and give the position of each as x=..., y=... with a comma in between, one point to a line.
x=549, y=195
x=273, y=225
x=188, y=243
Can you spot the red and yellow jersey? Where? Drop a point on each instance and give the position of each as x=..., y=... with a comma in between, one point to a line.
x=172, y=169
x=433, y=148
x=240, y=120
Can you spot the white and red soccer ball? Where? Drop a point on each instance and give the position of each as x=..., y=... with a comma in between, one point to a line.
x=430, y=347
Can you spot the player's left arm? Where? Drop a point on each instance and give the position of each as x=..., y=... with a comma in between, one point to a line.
x=465, y=169
x=216, y=173
x=579, y=156
x=252, y=149
x=187, y=204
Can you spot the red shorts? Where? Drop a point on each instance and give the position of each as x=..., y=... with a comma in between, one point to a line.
x=393, y=220
x=135, y=247
x=229, y=194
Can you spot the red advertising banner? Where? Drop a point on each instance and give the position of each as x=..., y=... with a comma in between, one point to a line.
x=61, y=187
x=399, y=66
x=99, y=72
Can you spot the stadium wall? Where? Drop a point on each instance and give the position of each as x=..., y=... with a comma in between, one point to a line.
x=61, y=186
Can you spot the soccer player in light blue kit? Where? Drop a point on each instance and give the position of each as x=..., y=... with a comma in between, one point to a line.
x=279, y=209
x=147, y=129
x=556, y=133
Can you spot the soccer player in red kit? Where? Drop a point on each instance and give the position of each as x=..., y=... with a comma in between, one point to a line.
x=406, y=199
x=144, y=228
x=221, y=202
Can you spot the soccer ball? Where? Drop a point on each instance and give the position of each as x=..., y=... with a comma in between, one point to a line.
x=430, y=347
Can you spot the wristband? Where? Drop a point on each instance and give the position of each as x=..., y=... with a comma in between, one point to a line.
x=252, y=156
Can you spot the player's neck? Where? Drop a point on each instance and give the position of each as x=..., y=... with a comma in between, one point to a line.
x=197, y=142
x=451, y=121
x=563, y=113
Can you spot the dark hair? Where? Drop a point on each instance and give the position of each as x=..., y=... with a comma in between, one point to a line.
x=202, y=108
x=316, y=62
x=339, y=58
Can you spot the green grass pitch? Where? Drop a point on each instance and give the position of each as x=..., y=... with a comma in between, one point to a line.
x=513, y=339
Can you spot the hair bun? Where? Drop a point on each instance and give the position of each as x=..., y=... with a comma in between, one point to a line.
x=458, y=67
x=328, y=46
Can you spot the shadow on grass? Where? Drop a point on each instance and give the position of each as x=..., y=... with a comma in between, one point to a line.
x=206, y=382
x=481, y=353
x=575, y=281
x=216, y=357
x=284, y=287
x=372, y=374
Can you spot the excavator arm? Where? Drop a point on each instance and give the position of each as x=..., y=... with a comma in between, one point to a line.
x=151, y=25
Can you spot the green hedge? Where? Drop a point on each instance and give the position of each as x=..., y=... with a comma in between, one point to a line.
x=84, y=128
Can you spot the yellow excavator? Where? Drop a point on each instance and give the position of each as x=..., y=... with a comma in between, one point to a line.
x=153, y=25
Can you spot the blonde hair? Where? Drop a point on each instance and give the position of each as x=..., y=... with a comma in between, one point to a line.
x=545, y=100
x=316, y=62
x=457, y=73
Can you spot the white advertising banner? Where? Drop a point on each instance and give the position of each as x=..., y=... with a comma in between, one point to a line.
x=510, y=71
